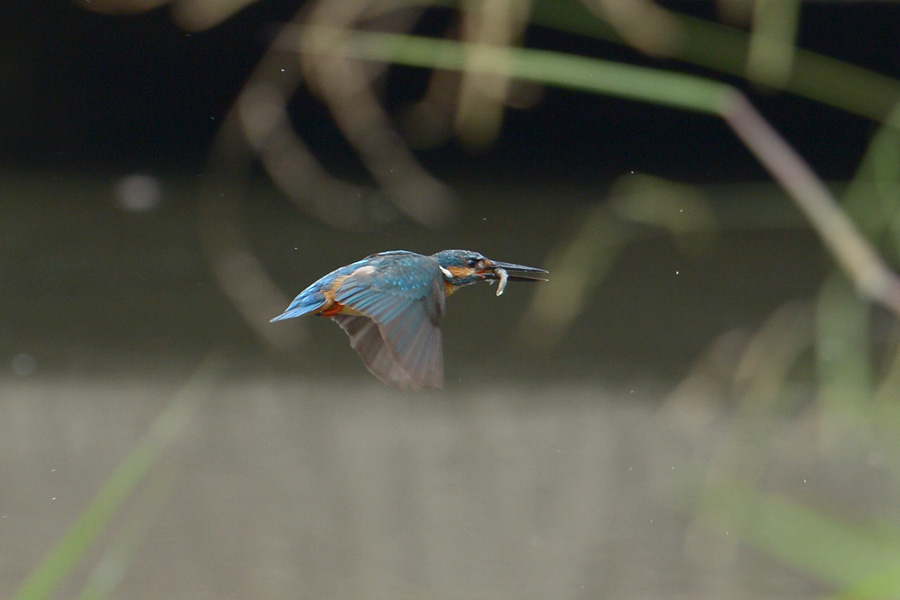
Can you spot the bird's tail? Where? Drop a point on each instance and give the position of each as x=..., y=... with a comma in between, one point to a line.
x=304, y=304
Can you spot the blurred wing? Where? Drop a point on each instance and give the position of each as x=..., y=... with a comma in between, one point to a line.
x=404, y=298
x=365, y=338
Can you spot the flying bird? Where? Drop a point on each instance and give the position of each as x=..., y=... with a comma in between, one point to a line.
x=391, y=304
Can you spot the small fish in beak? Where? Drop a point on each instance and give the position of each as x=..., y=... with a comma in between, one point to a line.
x=504, y=277
x=499, y=271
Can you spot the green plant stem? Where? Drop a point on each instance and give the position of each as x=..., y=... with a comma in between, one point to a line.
x=549, y=68
x=838, y=232
x=41, y=582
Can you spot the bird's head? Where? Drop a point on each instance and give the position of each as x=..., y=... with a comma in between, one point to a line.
x=464, y=267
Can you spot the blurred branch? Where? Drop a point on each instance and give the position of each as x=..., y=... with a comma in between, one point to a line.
x=482, y=96
x=678, y=209
x=763, y=371
x=345, y=88
x=871, y=196
x=585, y=258
x=843, y=361
x=772, y=49
x=193, y=15
x=643, y=24
x=240, y=274
x=725, y=49
x=337, y=62
x=541, y=66
x=827, y=546
x=752, y=369
x=838, y=232
x=259, y=127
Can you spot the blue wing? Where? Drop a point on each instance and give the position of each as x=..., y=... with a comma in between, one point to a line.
x=401, y=296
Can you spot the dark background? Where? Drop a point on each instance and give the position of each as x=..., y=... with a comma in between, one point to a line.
x=135, y=91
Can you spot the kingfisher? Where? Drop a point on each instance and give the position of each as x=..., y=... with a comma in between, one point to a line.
x=391, y=304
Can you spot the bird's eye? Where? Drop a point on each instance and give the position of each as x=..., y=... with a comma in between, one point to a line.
x=471, y=263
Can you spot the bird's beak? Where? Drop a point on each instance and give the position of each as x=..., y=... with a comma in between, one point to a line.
x=490, y=273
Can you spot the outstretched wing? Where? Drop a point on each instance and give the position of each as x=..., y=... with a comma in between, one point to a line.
x=365, y=338
x=401, y=298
